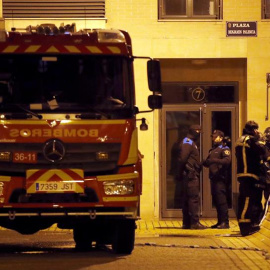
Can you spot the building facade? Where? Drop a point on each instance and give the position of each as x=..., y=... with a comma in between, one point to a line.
x=215, y=57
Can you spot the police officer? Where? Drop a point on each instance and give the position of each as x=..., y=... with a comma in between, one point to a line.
x=249, y=151
x=218, y=162
x=189, y=171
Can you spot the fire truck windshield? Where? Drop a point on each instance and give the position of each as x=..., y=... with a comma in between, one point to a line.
x=65, y=83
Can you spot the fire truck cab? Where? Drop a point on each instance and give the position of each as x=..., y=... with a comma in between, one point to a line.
x=68, y=137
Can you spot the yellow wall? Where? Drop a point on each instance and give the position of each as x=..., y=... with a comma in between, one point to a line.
x=191, y=39
x=186, y=39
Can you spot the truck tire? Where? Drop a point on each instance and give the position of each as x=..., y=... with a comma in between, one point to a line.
x=82, y=238
x=124, y=237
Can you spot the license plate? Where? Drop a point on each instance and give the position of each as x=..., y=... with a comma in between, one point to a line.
x=55, y=187
x=24, y=157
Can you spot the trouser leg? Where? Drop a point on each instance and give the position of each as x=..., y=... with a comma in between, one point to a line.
x=193, y=191
x=220, y=200
x=249, y=205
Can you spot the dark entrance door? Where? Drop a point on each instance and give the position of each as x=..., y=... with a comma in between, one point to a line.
x=176, y=118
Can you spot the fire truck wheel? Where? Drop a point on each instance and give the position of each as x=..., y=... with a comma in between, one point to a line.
x=82, y=238
x=124, y=237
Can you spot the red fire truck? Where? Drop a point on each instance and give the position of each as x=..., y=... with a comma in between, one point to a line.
x=68, y=138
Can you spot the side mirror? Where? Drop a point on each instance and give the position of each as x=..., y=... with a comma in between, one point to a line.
x=154, y=75
x=155, y=102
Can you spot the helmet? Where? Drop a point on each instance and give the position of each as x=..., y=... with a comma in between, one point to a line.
x=227, y=141
x=250, y=127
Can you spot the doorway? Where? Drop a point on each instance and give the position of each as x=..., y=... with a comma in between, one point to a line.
x=176, y=119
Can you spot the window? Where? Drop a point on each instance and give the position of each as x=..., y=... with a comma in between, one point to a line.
x=53, y=9
x=265, y=9
x=190, y=9
x=78, y=83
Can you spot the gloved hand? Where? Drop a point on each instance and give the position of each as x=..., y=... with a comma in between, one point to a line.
x=206, y=163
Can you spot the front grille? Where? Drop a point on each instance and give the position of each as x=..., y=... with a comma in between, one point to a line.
x=78, y=155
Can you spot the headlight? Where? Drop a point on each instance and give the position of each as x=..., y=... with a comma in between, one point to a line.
x=5, y=156
x=1, y=188
x=121, y=187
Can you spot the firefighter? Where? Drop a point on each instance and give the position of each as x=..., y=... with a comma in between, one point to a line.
x=266, y=137
x=218, y=162
x=189, y=171
x=250, y=150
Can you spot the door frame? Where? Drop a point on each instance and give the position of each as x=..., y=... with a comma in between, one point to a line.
x=205, y=115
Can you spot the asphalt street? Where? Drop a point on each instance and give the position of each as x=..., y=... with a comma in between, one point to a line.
x=164, y=246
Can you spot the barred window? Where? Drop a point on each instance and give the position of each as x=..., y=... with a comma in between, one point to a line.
x=53, y=9
x=190, y=9
x=265, y=9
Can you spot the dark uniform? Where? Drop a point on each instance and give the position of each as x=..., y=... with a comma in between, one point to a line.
x=218, y=162
x=267, y=146
x=267, y=167
x=249, y=152
x=189, y=168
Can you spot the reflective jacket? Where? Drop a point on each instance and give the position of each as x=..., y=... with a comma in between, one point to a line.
x=250, y=153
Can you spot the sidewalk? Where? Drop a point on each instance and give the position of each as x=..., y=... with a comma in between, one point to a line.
x=225, y=238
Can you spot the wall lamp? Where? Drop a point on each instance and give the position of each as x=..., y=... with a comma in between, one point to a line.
x=143, y=125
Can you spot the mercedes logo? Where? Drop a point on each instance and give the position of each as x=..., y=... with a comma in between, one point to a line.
x=54, y=150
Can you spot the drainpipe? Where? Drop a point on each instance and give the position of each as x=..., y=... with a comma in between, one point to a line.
x=1, y=15
x=1, y=9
